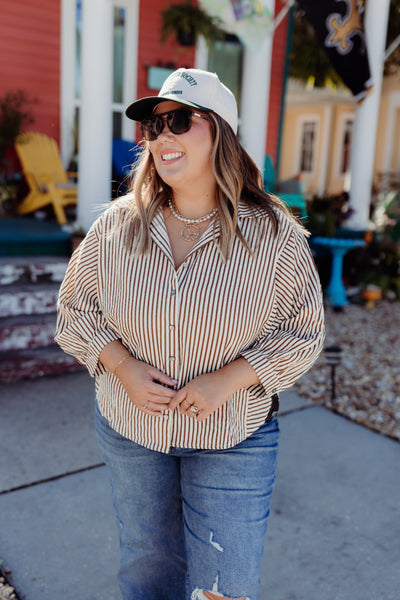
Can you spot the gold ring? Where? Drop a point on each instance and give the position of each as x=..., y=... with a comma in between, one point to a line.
x=194, y=409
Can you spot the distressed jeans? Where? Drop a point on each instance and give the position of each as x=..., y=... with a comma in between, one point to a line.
x=191, y=521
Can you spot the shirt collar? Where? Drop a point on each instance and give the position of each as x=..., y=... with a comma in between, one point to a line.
x=247, y=211
x=160, y=235
x=158, y=232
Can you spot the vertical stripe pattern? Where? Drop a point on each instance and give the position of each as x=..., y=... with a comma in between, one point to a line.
x=266, y=307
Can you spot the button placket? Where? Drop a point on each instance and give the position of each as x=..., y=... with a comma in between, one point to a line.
x=181, y=275
x=173, y=349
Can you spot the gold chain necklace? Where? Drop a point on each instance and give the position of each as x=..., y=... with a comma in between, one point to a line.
x=191, y=231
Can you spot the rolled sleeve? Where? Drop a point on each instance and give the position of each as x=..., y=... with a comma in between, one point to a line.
x=82, y=329
x=294, y=339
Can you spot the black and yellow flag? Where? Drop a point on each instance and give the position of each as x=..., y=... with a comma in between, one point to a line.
x=339, y=27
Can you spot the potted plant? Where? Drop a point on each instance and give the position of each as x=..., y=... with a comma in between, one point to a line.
x=327, y=215
x=14, y=117
x=371, y=294
x=9, y=194
x=187, y=21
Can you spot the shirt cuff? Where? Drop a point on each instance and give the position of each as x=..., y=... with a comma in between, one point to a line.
x=95, y=347
x=265, y=372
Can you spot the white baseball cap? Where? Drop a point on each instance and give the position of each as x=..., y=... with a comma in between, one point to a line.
x=192, y=87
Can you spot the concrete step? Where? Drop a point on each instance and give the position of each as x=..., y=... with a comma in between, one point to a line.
x=32, y=269
x=29, y=288
x=30, y=364
x=27, y=331
x=28, y=299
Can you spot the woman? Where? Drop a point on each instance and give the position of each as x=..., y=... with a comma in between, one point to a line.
x=193, y=301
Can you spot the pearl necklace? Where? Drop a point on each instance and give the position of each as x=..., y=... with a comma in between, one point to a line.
x=190, y=232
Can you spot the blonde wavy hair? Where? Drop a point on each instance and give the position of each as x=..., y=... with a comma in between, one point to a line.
x=237, y=177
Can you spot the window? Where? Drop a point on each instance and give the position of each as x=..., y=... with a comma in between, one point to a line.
x=347, y=136
x=119, y=57
x=125, y=20
x=307, y=146
x=78, y=44
x=226, y=59
x=342, y=146
x=118, y=68
x=119, y=44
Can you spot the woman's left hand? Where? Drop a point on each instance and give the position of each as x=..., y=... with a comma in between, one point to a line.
x=202, y=396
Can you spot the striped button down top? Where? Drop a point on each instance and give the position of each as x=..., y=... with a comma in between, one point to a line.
x=265, y=307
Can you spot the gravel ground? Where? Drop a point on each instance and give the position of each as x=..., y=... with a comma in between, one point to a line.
x=6, y=590
x=368, y=376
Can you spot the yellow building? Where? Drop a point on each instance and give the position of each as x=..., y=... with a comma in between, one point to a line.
x=317, y=134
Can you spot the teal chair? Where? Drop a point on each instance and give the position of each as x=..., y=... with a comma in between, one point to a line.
x=289, y=191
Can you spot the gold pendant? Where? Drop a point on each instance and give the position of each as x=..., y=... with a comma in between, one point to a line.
x=190, y=233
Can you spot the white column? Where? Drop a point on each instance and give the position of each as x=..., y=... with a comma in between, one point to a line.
x=366, y=122
x=256, y=81
x=95, y=131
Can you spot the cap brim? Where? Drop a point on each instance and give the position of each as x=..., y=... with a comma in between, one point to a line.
x=143, y=108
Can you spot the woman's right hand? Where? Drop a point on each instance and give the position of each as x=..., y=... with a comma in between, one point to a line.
x=146, y=386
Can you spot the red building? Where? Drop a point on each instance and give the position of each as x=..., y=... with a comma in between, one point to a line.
x=42, y=49
x=85, y=61
x=30, y=51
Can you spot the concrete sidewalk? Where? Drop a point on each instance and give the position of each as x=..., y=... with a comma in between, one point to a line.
x=334, y=530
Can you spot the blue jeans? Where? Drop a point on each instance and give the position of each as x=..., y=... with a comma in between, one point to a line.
x=192, y=520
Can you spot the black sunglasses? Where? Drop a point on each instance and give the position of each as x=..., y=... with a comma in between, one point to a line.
x=179, y=121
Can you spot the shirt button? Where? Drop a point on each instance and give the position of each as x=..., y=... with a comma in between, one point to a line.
x=173, y=292
x=172, y=327
x=172, y=358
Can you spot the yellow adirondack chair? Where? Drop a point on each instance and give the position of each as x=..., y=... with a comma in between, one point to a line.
x=45, y=175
